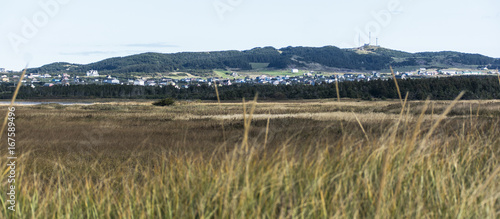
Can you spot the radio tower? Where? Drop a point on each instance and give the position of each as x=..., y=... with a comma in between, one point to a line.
x=359, y=40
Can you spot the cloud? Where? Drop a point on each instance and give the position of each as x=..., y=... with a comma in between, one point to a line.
x=151, y=45
x=105, y=53
x=86, y=53
x=119, y=50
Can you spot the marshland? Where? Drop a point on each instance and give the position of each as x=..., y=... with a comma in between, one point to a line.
x=252, y=159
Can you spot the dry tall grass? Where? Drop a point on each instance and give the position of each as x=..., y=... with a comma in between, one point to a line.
x=126, y=161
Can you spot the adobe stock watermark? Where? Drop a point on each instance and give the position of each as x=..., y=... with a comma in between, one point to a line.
x=222, y=7
x=381, y=20
x=48, y=9
x=12, y=158
x=89, y=147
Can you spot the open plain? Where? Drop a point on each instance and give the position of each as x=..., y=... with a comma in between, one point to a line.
x=304, y=159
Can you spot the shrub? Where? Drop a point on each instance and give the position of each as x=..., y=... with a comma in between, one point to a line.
x=165, y=102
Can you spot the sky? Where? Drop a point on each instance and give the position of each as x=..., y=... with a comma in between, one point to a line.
x=40, y=32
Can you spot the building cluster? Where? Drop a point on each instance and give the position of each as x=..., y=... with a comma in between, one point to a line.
x=307, y=78
x=425, y=73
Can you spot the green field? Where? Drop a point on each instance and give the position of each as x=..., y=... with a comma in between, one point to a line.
x=224, y=74
x=243, y=74
x=272, y=73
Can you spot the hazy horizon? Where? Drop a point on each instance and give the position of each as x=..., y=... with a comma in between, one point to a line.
x=46, y=31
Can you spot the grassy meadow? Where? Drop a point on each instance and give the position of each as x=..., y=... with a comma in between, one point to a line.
x=291, y=159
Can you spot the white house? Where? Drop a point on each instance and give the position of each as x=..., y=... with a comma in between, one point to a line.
x=111, y=81
x=32, y=75
x=151, y=83
x=139, y=82
x=93, y=73
x=295, y=70
x=448, y=72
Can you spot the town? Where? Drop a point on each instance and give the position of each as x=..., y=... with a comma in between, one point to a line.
x=296, y=76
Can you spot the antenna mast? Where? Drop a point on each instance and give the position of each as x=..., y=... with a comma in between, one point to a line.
x=359, y=40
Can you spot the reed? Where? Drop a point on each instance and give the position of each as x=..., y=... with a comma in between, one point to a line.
x=287, y=168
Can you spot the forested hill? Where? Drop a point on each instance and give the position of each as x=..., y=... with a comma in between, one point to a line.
x=314, y=58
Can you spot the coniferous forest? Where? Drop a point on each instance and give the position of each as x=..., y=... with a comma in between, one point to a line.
x=485, y=87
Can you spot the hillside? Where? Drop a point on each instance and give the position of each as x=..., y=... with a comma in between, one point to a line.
x=313, y=58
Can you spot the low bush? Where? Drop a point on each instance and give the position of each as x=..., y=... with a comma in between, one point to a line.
x=165, y=102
